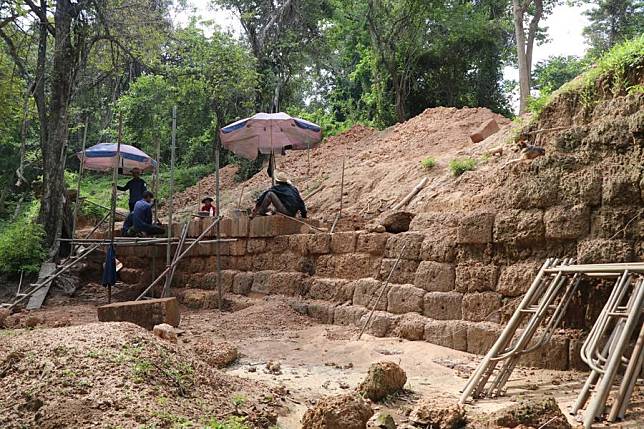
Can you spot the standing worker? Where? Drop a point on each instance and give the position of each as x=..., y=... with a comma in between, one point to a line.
x=136, y=186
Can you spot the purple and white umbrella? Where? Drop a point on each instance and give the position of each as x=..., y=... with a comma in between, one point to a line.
x=269, y=133
x=101, y=158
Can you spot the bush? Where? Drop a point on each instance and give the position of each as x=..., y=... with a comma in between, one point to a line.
x=460, y=166
x=428, y=163
x=21, y=246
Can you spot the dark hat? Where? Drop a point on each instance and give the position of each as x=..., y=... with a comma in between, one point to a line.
x=206, y=199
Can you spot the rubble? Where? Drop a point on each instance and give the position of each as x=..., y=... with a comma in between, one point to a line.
x=347, y=411
x=437, y=415
x=383, y=379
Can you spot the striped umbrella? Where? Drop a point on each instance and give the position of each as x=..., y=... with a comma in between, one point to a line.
x=101, y=158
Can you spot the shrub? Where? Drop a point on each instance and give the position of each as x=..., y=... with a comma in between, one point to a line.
x=460, y=166
x=428, y=163
x=21, y=246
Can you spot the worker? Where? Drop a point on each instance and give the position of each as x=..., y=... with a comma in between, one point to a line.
x=283, y=196
x=208, y=207
x=141, y=218
x=136, y=186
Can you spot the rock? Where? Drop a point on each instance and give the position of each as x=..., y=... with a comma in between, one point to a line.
x=375, y=228
x=217, y=354
x=397, y=222
x=166, y=332
x=33, y=321
x=430, y=413
x=544, y=414
x=274, y=368
x=144, y=313
x=381, y=421
x=4, y=314
x=484, y=131
x=348, y=411
x=383, y=379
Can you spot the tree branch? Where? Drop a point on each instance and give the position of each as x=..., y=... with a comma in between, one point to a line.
x=42, y=15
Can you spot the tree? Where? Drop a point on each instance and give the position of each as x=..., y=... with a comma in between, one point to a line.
x=76, y=29
x=611, y=22
x=549, y=75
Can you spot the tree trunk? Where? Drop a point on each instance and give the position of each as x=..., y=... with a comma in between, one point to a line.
x=53, y=147
x=401, y=98
x=524, y=71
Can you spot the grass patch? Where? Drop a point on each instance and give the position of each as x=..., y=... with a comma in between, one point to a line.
x=460, y=166
x=428, y=163
x=21, y=243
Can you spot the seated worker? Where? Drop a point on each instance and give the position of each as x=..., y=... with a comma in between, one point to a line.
x=136, y=186
x=284, y=197
x=142, y=218
x=208, y=207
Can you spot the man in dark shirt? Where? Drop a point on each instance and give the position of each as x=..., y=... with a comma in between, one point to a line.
x=136, y=186
x=284, y=197
x=141, y=217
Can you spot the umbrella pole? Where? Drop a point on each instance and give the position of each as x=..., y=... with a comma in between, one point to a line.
x=170, y=206
x=270, y=123
x=220, y=291
x=337, y=217
x=115, y=173
x=78, y=185
x=155, y=188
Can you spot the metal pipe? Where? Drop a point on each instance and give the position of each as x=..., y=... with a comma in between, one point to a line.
x=628, y=382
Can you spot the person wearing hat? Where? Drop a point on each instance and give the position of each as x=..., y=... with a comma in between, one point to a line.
x=208, y=207
x=283, y=196
x=136, y=186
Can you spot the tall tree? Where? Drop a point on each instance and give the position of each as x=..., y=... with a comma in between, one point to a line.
x=530, y=11
x=612, y=21
x=66, y=36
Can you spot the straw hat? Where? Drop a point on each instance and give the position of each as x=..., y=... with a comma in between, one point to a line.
x=206, y=199
x=281, y=177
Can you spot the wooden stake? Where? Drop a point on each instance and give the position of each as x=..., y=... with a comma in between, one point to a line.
x=220, y=290
x=337, y=217
x=412, y=194
x=168, y=257
x=78, y=185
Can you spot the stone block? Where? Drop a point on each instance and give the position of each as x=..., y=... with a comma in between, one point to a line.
x=411, y=326
x=348, y=315
x=583, y=186
x=372, y=243
x=131, y=276
x=143, y=313
x=318, y=244
x=382, y=323
x=443, y=305
x=476, y=278
x=600, y=251
x=233, y=248
x=242, y=283
x=516, y=279
x=435, y=276
x=620, y=190
x=441, y=248
x=479, y=307
x=405, y=272
x=343, y=242
x=366, y=293
x=288, y=284
x=451, y=334
x=271, y=226
x=199, y=299
x=355, y=265
x=617, y=222
x=403, y=299
x=475, y=228
x=482, y=336
x=435, y=224
x=321, y=311
x=330, y=289
x=519, y=226
x=263, y=261
x=227, y=277
x=325, y=266
x=574, y=355
x=261, y=280
x=255, y=245
x=532, y=191
x=484, y=131
x=410, y=241
x=553, y=355
x=278, y=244
x=567, y=223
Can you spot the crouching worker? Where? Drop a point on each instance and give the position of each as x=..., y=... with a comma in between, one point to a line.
x=284, y=197
x=139, y=222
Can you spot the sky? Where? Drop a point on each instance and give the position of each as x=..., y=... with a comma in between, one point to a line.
x=565, y=26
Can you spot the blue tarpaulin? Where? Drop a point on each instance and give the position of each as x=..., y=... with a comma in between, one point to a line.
x=109, y=270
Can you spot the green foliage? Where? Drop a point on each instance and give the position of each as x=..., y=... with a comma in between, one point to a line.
x=21, y=245
x=611, y=22
x=233, y=422
x=428, y=163
x=460, y=166
x=550, y=74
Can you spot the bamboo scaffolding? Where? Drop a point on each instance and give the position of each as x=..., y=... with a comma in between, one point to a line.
x=78, y=185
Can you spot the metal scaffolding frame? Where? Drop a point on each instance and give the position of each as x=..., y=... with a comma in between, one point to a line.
x=605, y=350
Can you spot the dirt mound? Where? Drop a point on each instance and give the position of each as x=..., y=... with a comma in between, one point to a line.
x=338, y=412
x=434, y=414
x=539, y=414
x=217, y=354
x=383, y=379
x=115, y=373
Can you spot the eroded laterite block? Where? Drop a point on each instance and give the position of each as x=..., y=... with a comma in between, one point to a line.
x=516, y=279
x=404, y=273
x=476, y=278
x=482, y=336
x=484, y=131
x=366, y=293
x=373, y=243
x=439, y=248
x=519, y=226
x=403, y=299
x=553, y=355
x=198, y=298
x=348, y=315
x=475, y=228
x=435, y=276
x=355, y=265
x=318, y=244
x=443, y=305
x=261, y=281
x=411, y=326
x=335, y=290
x=343, y=242
x=411, y=242
x=288, y=284
x=620, y=190
x=382, y=323
x=256, y=245
x=479, y=307
x=242, y=283
x=567, y=222
x=447, y=333
x=604, y=251
x=143, y=313
x=321, y=311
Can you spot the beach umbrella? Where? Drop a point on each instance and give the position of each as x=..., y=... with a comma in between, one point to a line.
x=270, y=134
x=101, y=158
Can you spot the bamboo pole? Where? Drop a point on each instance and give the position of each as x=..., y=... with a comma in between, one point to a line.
x=337, y=217
x=220, y=291
x=170, y=205
x=78, y=185
x=115, y=174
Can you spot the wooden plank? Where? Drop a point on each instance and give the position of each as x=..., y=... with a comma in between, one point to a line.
x=36, y=300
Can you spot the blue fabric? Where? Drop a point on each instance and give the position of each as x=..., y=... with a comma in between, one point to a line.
x=137, y=187
x=89, y=153
x=307, y=125
x=142, y=216
x=234, y=127
x=289, y=196
x=109, y=271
